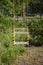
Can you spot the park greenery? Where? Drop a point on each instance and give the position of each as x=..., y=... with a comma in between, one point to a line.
x=8, y=9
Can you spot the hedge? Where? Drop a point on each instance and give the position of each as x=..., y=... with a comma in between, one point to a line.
x=36, y=32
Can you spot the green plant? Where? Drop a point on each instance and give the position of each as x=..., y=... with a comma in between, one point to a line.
x=20, y=37
x=36, y=32
x=19, y=23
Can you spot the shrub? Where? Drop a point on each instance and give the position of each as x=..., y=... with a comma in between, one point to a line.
x=19, y=23
x=8, y=51
x=36, y=32
x=8, y=56
x=20, y=37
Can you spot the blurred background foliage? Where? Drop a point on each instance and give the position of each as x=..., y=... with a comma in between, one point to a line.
x=8, y=9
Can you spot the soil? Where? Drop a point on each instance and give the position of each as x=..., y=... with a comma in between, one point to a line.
x=32, y=56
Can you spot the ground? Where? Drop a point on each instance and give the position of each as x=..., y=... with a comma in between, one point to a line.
x=32, y=56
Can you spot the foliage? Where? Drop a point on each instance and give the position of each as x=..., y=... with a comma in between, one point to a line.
x=8, y=52
x=36, y=6
x=36, y=32
x=20, y=23
x=12, y=7
x=20, y=37
x=8, y=55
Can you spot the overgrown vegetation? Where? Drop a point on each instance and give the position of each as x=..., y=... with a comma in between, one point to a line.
x=20, y=37
x=8, y=8
x=36, y=32
x=8, y=51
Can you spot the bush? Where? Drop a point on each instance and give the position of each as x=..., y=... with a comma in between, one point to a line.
x=19, y=23
x=8, y=56
x=20, y=37
x=8, y=51
x=36, y=32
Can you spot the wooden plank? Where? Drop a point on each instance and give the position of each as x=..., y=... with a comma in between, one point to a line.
x=21, y=32
x=21, y=42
